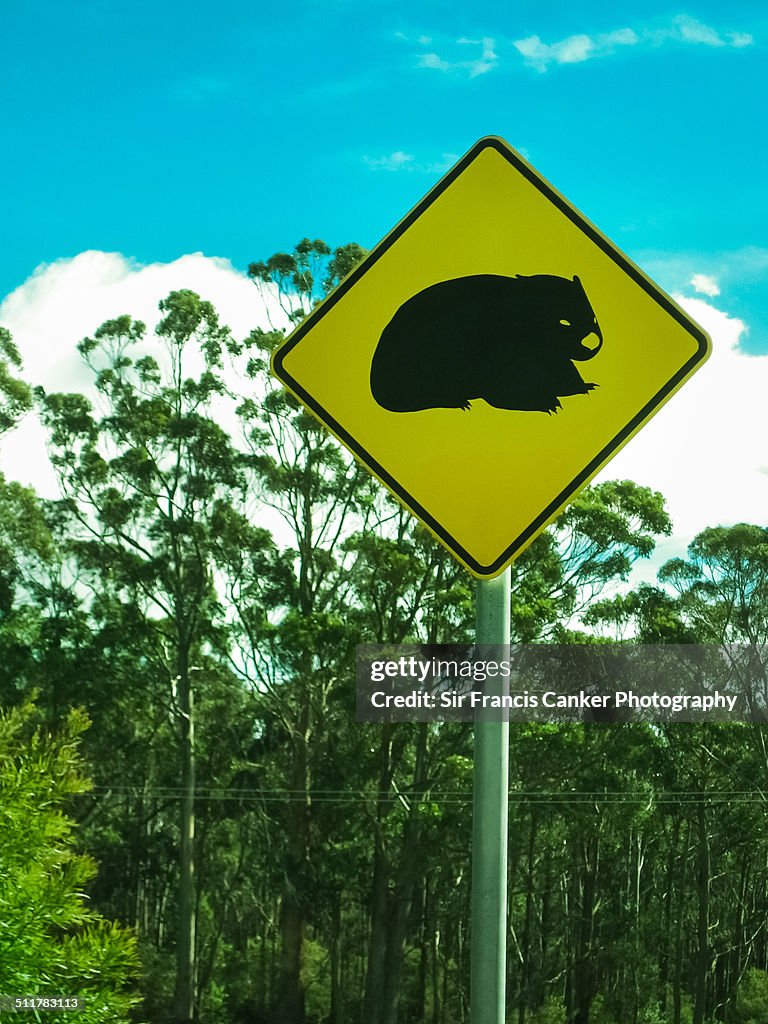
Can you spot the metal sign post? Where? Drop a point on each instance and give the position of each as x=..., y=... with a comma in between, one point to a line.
x=488, y=958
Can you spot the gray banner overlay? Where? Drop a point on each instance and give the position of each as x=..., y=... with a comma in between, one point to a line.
x=562, y=683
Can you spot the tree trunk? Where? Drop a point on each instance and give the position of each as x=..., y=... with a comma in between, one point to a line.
x=377, y=946
x=736, y=963
x=184, y=1000
x=525, y=939
x=421, y=985
x=392, y=894
x=335, y=1014
x=434, y=935
x=398, y=919
x=702, y=921
x=582, y=967
x=678, y=978
x=666, y=944
x=636, y=841
x=289, y=1006
x=377, y=943
x=408, y=871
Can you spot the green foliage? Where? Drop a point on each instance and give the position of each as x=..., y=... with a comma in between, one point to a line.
x=722, y=589
x=752, y=1002
x=51, y=942
x=314, y=975
x=156, y=594
x=652, y=1014
x=150, y=486
x=25, y=548
x=299, y=280
x=607, y=527
x=15, y=395
x=551, y=1012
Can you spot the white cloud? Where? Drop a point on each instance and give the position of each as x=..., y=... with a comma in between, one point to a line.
x=65, y=301
x=473, y=67
x=733, y=271
x=693, y=31
x=574, y=49
x=705, y=284
x=689, y=30
x=485, y=62
x=400, y=161
x=705, y=449
x=394, y=162
x=577, y=49
x=739, y=39
x=431, y=60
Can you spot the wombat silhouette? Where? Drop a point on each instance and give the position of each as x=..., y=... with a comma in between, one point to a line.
x=509, y=340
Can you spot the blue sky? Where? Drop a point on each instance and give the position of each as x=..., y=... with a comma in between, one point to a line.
x=158, y=129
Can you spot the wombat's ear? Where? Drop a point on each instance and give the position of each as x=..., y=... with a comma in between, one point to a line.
x=576, y=279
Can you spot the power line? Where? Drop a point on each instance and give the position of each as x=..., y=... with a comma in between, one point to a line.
x=281, y=795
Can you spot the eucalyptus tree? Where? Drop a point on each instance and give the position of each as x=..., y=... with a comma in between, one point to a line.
x=600, y=536
x=717, y=595
x=406, y=588
x=15, y=394
x=353, y=557
x=21, y=531
x=25, y=547
x=294, y=658
x=144, y=478
x=721, y=592
x=722, y=586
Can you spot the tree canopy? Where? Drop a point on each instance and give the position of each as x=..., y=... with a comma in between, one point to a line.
x=199, y=589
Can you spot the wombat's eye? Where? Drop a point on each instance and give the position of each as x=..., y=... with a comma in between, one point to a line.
x=566, y=323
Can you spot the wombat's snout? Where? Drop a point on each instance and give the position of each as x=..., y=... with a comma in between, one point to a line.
x=593, y=341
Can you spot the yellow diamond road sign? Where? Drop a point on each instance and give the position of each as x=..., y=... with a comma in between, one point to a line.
x=489, y=356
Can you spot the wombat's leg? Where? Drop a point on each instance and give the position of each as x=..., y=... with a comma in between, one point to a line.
x=567, y=381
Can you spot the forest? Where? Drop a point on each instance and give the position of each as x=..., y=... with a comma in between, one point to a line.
x=193, y=825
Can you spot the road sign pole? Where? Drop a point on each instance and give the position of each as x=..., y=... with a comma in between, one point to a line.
x=488, y=960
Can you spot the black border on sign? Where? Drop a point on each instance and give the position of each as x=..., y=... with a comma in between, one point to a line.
x=589, y=229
